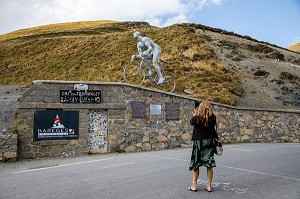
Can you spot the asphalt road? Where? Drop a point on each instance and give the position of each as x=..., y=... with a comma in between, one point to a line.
x=245, y=171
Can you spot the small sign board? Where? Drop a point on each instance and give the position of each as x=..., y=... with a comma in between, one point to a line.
x=172, y=111
x=74, y=96
x=81, y=87
x=138, y=109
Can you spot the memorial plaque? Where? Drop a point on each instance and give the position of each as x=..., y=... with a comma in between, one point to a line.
x=138, y=109
x=74, y=96
x=155, y=109
x=172, y=111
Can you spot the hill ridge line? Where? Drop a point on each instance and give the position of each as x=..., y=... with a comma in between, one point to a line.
x=218, y=30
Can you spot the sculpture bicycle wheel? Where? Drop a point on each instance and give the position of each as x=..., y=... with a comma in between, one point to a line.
x=134, y=74
x=169, y=84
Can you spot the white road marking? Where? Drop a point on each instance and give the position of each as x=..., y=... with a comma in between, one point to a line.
x=168, y=158
x=241, y=149
x=118, y=165
x=257, y=172
x=63, y=165
x=292, y=144
x=229, y=146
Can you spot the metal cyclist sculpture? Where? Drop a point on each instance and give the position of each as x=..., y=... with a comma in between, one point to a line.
x=135, y=73
x=153, y=51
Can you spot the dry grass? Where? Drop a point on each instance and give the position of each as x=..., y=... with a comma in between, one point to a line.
x=98, y=51
x=295, y=47
x=60, y=27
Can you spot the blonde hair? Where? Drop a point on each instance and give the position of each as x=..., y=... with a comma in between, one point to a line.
x=204, y=111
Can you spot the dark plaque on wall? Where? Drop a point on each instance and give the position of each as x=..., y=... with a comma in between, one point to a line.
x=172, y=111
x=74, y=96
x=138, y=109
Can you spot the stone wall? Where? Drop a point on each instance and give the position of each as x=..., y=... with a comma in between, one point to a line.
x=152, y=132
x=8, y=106
x=246, y=125
x=8, y=146
x=125, y=132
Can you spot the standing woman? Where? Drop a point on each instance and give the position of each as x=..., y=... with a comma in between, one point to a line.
x=204, y=135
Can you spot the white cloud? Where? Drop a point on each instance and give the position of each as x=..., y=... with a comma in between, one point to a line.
x=181, y=18
x=296, y=40
x=18, y=14
x=202, y=3
x=217, y=2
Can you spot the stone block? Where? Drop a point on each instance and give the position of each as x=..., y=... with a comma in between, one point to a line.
x=56, y=151
x=146, y=146
x=162, y=131
x=186, y=136
x=184, y=146
x=176, y=135
x=112, y=137
x=146, y=138
x=162, y=138
x=249, y=131
x=174, y=144
x=139, y=145
x=270, y=117
x=2, y=143
x=9, y=155
x=12, y=142
x=259, y=122
x=73, y=142
x=130, y=148
x=244, y=138
x=158, y=146
x=221, y=126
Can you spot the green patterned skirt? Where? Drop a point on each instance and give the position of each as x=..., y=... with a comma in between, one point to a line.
x=203, y=154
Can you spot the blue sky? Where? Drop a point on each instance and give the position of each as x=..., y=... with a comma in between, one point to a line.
x=273, y=21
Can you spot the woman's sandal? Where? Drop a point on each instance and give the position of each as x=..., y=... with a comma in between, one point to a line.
x=190, y=189
x=208, y=190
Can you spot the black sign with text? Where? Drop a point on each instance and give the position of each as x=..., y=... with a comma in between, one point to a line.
x=56, y=125
x=74, y=96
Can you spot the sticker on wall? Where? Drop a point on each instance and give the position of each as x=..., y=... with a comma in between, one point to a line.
x=97, y=140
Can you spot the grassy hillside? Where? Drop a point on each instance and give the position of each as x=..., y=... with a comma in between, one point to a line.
x=295, y=47
x=98, y=51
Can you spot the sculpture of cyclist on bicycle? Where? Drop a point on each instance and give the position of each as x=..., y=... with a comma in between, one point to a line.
x=153, y=51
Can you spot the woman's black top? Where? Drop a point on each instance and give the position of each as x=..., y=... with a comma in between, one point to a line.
x=202, y=132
